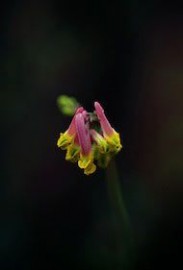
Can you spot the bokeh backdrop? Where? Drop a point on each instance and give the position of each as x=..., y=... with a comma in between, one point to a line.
x=127, y=55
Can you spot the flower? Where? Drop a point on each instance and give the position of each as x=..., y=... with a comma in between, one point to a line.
x=90, y=139
x=69, y=135
x=111, y=136
x=86, y=154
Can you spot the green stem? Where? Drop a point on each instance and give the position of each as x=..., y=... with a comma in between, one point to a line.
x=118, y=205
x=115, y=194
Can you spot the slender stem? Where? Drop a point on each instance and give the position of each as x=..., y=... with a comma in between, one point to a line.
x=115, y=194
x=118, y=205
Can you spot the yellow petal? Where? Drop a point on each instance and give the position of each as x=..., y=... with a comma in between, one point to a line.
x=86, y=163
x=72, y=153
x=64, y=140
x=85, y=160
x=100, y=141
x=114, y=142
x=90, y=169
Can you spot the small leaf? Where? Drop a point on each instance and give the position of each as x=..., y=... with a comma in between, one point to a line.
x=67, y=105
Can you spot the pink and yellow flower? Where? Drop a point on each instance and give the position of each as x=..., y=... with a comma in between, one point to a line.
x=86, y=154
x=85, y=144
x=112, y=137
x=69, y=135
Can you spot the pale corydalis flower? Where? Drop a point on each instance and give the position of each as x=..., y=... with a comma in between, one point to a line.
x=111, y=136
x=69, y=135
x=90, y=139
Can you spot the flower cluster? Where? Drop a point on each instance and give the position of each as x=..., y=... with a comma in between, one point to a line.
x=90, y=139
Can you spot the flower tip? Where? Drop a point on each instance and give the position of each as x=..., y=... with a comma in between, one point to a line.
x=79, y=117
x=97, y=106
x=79, y=110
x=99, y=110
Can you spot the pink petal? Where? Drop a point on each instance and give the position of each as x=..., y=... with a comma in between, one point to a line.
x=72, y=128
x=105, y=125
x=83, y=134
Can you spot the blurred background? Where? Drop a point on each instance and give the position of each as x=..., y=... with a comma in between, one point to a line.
x=127, y=55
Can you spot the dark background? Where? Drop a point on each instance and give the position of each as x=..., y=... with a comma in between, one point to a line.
x=128, y=55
